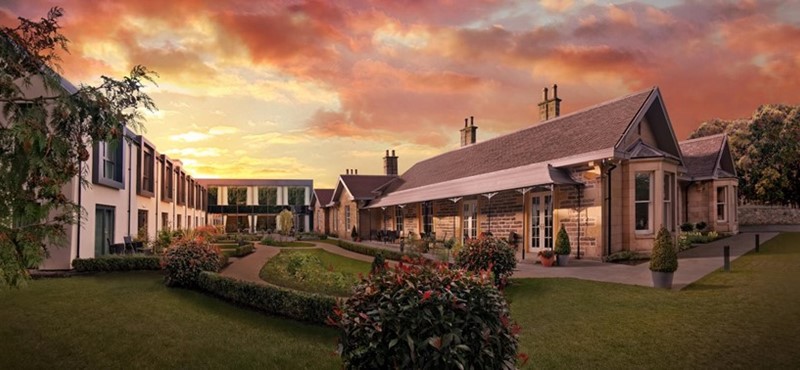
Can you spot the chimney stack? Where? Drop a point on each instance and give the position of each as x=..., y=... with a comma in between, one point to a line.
x=550, y=107
x=390, y=164
x=469, y=133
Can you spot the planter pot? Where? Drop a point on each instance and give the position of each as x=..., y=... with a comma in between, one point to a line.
x=563, y=259
x=662, y=280
x=546, y=262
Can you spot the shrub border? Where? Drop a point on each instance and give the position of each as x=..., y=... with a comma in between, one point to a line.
x=117, y=263
x=293, y=304
x=370, y=251
x=238, y=251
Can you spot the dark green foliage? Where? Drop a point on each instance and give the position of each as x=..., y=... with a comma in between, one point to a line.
x=427, y=317
x=239, y=251
x=623, y=256
x=186, y=259
x=268, y=240
x=117, y=263
x=664, y=257
x=45, y=139
x=687, y=226
x=311, y=236
x=369, y=251
x=765, y=148
x=289, y=303
x=701, y=226
x=488, y=253
x=378, y=263
x=354, y=233
x=562, y=246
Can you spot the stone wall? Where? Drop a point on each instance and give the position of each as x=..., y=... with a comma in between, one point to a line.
x=444, y=214
x=506, y=214
x=768, y=215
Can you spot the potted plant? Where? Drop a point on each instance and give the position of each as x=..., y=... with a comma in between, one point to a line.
x=546, y=257
x=664, y=260
x=563, y=249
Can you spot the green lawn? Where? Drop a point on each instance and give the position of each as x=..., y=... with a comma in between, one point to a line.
x=274, y=272
x=131, y=320
x=748, y=318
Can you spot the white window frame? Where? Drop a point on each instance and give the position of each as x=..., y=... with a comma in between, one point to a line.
x=347, y=219
x=722, y=202
x=669, y=196
x=649, y=203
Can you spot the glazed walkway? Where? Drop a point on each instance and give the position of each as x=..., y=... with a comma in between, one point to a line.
x=693, y=264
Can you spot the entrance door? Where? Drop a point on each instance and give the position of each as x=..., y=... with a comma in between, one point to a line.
x=103, y=229
x=541, y=222
x=470, y=220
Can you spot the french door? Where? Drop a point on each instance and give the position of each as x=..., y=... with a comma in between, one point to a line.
x=470, y=220
x=541, y=222
x=103, y=229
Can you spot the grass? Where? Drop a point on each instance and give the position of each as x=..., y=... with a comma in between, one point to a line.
x=744, y=319
x=747, y=318
x=274, y=272
x=115, y=320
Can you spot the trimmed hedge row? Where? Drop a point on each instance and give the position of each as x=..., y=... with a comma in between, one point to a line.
x=312, y=308
x=362, y=249
x=117, y=263
x=239, y=251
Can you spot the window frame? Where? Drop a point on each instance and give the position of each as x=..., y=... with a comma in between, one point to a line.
x=668, y=212
x=723, y=203
x=347, y=218
x=99, y=150
x=167, y=181
x=267, y=196
x=648, y=201
x=145, y=168
x=399, y=219
x=232, y=193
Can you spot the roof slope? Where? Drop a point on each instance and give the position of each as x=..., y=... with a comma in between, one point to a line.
x=362, y=187
x=323, y=196
x=701, y=155
x=595, y=128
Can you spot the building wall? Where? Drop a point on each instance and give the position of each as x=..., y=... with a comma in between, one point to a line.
x=643, y=240
x=702, y=204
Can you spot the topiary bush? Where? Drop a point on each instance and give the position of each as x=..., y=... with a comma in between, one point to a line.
x=488, y=253
x=687, y=227
x=426, y=317
x=378, y=263
x=701, y=226
x=187, y=258
x=562, y=242
x=664, y=258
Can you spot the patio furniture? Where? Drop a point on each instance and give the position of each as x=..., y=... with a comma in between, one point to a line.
x=128, y=244
x=115, y=248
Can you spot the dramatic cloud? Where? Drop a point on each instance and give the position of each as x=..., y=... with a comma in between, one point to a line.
x=308, y=88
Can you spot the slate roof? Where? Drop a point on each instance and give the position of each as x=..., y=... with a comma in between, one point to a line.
x=591, y=129
x=323, y=196
x=362, y=187
x=701, y=155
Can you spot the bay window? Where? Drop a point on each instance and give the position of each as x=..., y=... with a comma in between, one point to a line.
x=643, y=195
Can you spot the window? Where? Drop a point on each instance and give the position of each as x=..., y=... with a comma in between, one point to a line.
x=181, y=187
x=146, y=166
x=188, y=222
x=164, y=220
x=178, y=222
x=212, y=195
x=668, y=219
x=398, y=219
x=167, y=182
x=267, y=196
x=721, y=203
x=427, y=217
x=347, y=218
x=643, y=196
x=103, y=229
x=142, y=222
x=237, y=196
x=108, y=164
x=336, y=220
x=190, y=192
x=297, y=196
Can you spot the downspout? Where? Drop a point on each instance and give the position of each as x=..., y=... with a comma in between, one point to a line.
x=80, y=206
x=130, y=163
x=611, y=167
x=578, y=187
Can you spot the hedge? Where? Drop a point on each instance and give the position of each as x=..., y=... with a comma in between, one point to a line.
x=312, y=308
x=239, y=251
x=362, y=249
x=117, y=263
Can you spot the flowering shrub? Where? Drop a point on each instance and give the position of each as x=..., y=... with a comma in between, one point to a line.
x=685, y=240
x=426, y=316
x=488, y=253
x=187, y=258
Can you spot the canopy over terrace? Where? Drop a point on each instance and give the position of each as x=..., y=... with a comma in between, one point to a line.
x=536, y=174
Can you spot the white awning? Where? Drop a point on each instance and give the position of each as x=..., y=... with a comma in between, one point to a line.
x=509, y=179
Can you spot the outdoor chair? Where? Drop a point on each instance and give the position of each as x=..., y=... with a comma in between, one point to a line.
x=128, y=243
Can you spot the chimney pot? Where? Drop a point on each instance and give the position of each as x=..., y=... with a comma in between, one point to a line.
x=387, y=152
x=544, y=94
x=356, y=173
x=466, y=121
x=392, y=152
x=471, y=121
x=555, y=91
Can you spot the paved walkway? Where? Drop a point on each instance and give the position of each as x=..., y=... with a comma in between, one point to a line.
x=693, y=264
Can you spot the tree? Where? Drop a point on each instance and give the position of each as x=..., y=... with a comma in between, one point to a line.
x=286, y=221
x=765, y=148
x=46, y=126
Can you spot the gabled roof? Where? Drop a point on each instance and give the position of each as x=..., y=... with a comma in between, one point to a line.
x=641, y=150
x=322, y=197
x=595, y=131
x=360, y=187
x=708, y=157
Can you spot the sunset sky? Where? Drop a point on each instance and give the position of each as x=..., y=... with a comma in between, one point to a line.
x=306, y=89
